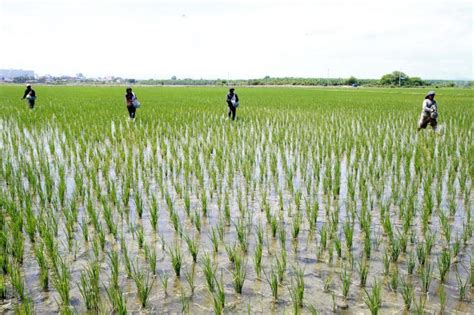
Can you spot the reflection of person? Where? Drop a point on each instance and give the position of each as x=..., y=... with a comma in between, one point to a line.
x=130, y=99
x=429, y=112
x=30, y=96
x=233, y=102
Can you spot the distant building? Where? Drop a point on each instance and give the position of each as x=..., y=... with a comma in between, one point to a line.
x=8, y=74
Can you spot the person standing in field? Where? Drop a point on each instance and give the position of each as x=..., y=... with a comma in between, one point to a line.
x=232, y=102
x=429, y=112
x=30, y=96
x=132, y=102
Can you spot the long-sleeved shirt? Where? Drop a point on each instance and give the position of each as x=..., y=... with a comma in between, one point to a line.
x=30, y=92
x=232, y=97
x=428, y=105
x=130, y=97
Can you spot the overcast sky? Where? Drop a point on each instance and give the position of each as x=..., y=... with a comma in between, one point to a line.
x=239, y=38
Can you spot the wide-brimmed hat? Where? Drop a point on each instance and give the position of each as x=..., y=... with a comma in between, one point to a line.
x=430, y=93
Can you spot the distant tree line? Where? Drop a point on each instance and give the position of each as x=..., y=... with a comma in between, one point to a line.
x=394, y=79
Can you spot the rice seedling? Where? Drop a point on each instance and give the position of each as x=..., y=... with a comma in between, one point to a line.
x=154, y=214
x=193, y=246
x=61, y=282
x=323, y=237
x=184, y=302
x=296, y=226
x=3, y=287
x=214, y=237
x=394, y=278
x=367, y=247
x=164, y=282
x=274, y=225
x=126, y=260
x=421, y=254
x=472, y=272
x=17, y=246
x=89, y=285
x=312, y=310
x=419, y=307
x=296, y=289
x=456, y=246
x=442, y=299
x=282, y=235
x=411, y=262
x=363, y=269
x=43, y=266
x=218, y=297
x=190, y=278
x=114, y=265
x=281, y=266
x=204, y=206
x=144, y=286
x=338, y=246
x=85, y=230
x=407, y=292
x=373, y=299
x=117, y=300
x=140, y=234
x=444, y=262
x=348, y=229
x=426, y=277
x=17, y=280
x=346, y=279
x=231, y=252
x=386, y=263
x=394, y=250
x=463, y=286
x=196, y=219
x=272, y=280
x=257, y=259
x=26, y=307
x=327, y=284
x=209, y=270
x=238, y=274
x=176, y=259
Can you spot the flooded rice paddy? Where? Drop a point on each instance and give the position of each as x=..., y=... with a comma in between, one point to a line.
x=313, y=201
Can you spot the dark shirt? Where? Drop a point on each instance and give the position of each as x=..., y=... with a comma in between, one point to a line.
x=230, y=96
x=30, y=92
x=130, y=97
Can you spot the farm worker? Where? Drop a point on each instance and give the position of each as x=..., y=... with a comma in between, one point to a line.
x=233, y=102
x=30, y=96
x=429, y=112
x=132, y=102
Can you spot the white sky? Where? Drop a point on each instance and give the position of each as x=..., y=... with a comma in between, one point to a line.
x=239, y=38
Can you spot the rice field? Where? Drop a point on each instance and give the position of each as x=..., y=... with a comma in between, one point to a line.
x=313, y=201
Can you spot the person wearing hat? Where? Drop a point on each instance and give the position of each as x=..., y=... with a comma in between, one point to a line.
x=30, y=96
x=132, y=102
x=429, y=112
x=232, y=102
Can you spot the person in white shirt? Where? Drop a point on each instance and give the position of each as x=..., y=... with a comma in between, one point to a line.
x=429, y=112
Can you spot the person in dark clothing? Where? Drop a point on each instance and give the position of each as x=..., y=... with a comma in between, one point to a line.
x=233, y=102
x=131, y=100
x=30, y=96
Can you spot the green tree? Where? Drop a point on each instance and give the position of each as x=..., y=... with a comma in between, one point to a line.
x=394, y=78
x=350, y=81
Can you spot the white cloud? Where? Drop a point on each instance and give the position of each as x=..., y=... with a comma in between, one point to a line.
x=238, y=39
